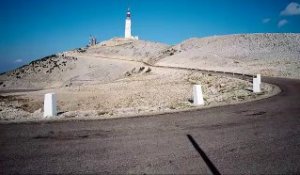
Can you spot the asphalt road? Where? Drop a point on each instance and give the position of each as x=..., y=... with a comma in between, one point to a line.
x=253, y=138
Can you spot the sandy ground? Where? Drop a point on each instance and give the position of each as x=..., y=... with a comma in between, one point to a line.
x=111, y=79
x=276, y=55
x=268, y=54
x=140, y=92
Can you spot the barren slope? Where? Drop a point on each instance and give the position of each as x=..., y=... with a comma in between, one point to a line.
x=58, y=71
x=268, y=54
x=111, y=80
x=138, y=50
x=82, y=66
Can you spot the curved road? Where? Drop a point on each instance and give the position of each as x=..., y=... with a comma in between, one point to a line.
x=253, y=138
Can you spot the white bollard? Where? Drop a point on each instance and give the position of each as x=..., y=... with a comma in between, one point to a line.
x=50, y=105
x=258, y=76
x=197, y=95
x=256, y=85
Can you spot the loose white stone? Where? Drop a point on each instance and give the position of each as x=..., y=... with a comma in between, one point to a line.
x=50, y=105
x=197, y=95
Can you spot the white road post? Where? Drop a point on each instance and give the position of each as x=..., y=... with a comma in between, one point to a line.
x=50, y=105
x=256, y=85
x=258, y=76
x=197, y=95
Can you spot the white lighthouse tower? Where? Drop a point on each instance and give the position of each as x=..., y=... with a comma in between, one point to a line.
x=128, y=26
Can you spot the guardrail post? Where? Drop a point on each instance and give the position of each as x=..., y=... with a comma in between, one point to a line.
x=50, y=105
x=197, y=95
x=258, y=76
x=256, y=85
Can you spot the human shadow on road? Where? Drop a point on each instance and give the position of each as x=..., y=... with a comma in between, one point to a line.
x=210, y=165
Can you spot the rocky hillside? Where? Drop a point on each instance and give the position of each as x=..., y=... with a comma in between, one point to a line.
x=63, y=71
x=269, y=54
x=81, y=66
x=137, y=50
x=38, y=73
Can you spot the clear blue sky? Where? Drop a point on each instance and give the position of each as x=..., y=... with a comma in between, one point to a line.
x=30, y=29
